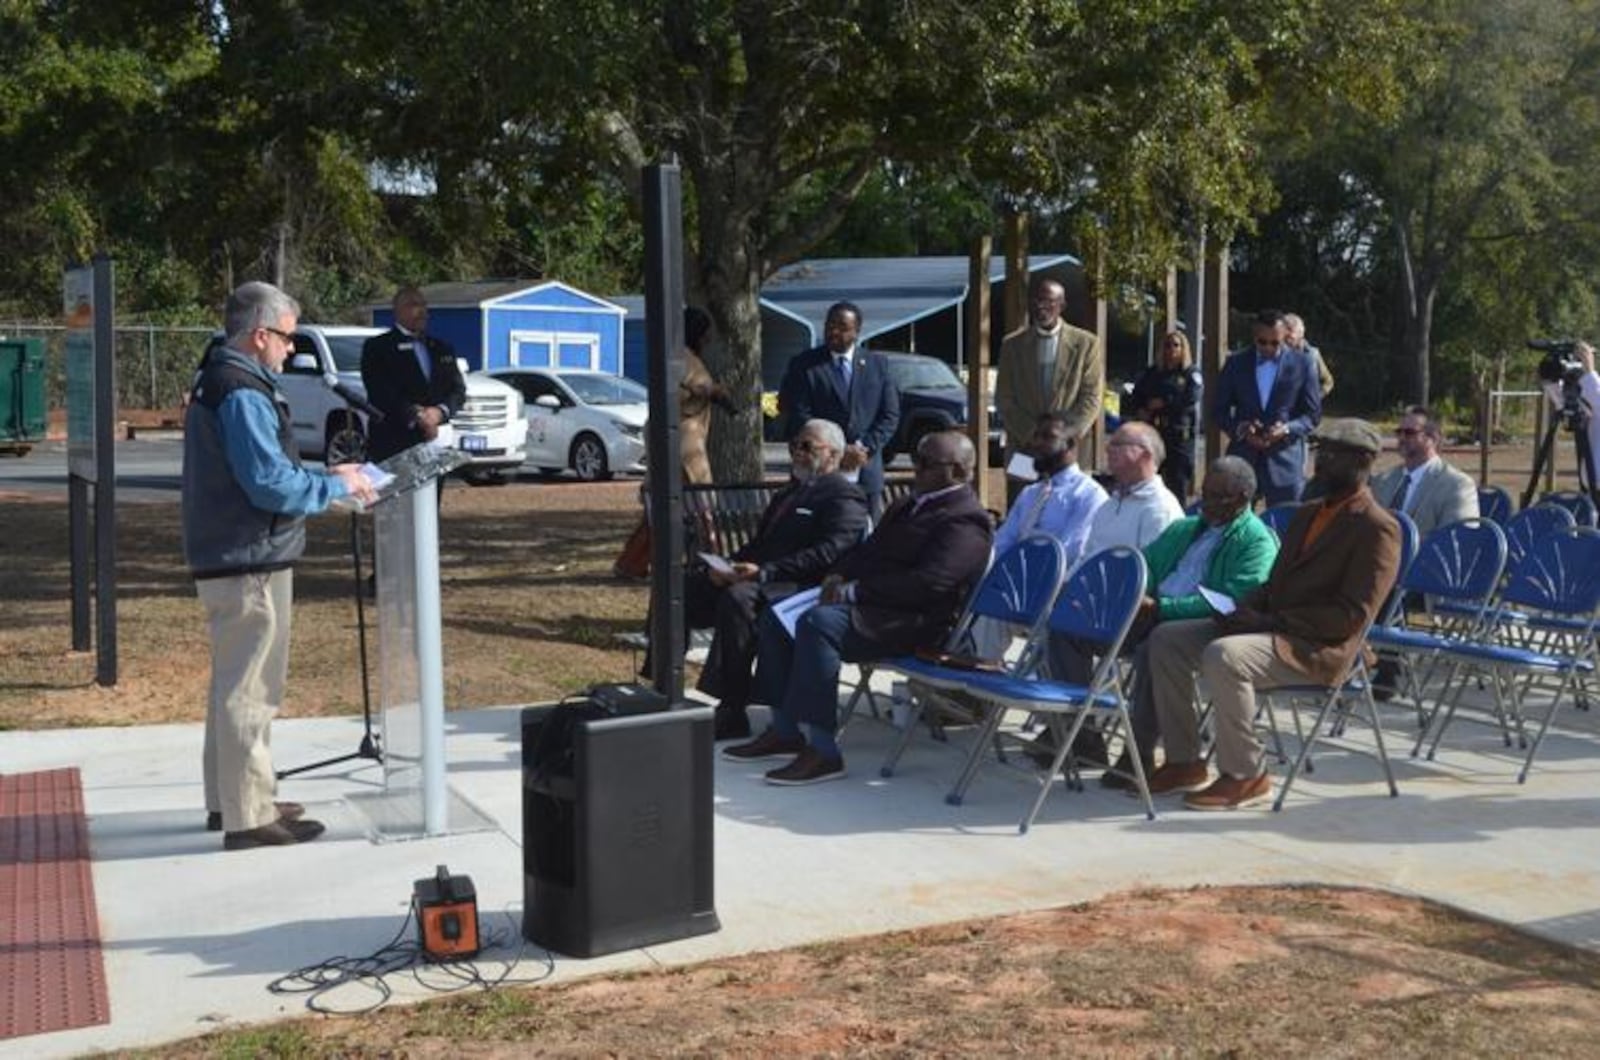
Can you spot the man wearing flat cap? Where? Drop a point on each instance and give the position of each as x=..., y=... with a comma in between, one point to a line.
x=1340, y=557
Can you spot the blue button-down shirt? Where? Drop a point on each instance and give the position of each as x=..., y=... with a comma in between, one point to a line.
x=1066, y=515
x=249, y=426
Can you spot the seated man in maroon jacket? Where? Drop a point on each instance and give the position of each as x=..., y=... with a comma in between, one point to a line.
x=902, y=589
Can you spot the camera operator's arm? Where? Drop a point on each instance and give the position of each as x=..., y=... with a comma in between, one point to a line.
x=1590, y=381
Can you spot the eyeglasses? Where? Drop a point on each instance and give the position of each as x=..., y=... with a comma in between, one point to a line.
x=804, y=445
x=1407, y=432
x=286, y=336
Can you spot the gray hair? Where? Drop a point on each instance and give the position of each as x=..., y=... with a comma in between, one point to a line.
x=1149, y=439
x=830, y=433
x=1236, y=470
x=255, y=305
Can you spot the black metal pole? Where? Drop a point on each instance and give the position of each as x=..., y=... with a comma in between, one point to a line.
x=78, y=549
x=105, y=487
x=663, y=310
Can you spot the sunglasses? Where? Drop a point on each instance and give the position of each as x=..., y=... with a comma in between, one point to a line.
x=286, y=336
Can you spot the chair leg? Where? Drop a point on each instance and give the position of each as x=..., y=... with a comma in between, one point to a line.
x=1305, y=751
x=969, y=768
x=1056, y=762
x=1544, y=726
x=903, y=739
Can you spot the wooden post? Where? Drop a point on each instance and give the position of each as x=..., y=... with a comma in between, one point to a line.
x=1016, y=251
x=1172, y=301
x=1485, y=428
x=1216, y=342
x=977, y=344
x=1091, y=445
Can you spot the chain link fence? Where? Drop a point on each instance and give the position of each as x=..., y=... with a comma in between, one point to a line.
x=155, y=363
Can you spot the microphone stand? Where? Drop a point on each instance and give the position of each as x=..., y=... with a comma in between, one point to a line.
x=370, y=747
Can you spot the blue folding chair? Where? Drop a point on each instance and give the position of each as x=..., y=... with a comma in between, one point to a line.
x=1494, y=503
x=1356, y=685
x=1581, y=505
x=1558, y=578
x=1278, y=517
x=1018, y=590
x=1095, y=608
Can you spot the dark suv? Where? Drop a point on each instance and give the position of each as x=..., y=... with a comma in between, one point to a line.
x=932, y=398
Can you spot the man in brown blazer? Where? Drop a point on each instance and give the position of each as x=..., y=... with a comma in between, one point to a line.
x=1339, y=559
x=1048, y=366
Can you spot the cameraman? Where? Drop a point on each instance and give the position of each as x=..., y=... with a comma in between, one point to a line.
x=1590, y=383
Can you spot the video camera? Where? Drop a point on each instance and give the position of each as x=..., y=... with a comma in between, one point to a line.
x=1560, y=366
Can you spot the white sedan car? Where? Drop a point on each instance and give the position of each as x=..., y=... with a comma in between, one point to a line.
x=590, y=422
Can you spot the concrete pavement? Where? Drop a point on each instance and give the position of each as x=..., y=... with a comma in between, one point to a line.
x=192, y=935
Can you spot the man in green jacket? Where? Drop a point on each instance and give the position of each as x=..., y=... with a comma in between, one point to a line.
x=1227, y=550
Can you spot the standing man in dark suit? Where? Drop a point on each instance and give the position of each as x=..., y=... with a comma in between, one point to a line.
x=900, y=590
x=811, y=522
x=1339, y=559
x=1268, y=402
x=841, y=382
x=411, y=377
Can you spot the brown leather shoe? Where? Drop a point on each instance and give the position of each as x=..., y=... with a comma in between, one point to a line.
x=276, y=834
x=1230, y=793
x=287, y=811
x=768, y=745
x=1179, y=776
x=809, y=767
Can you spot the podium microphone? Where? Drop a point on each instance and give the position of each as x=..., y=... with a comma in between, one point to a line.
x=352, y=397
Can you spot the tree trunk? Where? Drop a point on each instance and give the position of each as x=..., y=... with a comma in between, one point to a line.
x=1418, y=340
x=727, y=278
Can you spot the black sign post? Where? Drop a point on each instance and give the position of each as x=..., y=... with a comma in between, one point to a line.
x=663, y=311
x=90, y=312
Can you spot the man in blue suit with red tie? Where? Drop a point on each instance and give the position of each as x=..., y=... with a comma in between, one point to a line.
x=841, y=382
x=1268, y=401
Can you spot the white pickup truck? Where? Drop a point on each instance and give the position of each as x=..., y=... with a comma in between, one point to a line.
x=491, y=427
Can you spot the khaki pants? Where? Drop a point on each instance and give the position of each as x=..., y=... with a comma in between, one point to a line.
x=1233, y=668
x=249, y=620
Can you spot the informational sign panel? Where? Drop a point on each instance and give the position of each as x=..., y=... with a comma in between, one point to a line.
x=77, y=309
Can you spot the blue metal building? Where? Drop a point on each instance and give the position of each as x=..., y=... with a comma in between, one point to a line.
x=532, y=323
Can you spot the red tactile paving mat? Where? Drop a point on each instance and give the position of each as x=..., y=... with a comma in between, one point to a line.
x=51, y=974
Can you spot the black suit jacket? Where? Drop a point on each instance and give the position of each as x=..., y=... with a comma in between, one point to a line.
x=805, y=530
x=868, y=414
x=916, y=570
x=396, y=387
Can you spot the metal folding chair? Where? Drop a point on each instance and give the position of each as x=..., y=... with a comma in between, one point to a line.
x=1558, y=581
x=1581, y=505
x=1095, y=608
x=1018, y=590
x=1494, y=503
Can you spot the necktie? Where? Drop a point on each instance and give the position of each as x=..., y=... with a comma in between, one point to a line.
x=424, y=362
x=1397, y=503
x=841, y=368
x=1031, y=519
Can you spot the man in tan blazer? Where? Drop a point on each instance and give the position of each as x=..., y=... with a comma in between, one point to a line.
x=1423, y=486
x=1048, y=366
x=1339, y=559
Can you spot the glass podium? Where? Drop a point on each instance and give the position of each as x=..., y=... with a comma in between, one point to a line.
x=415, y=801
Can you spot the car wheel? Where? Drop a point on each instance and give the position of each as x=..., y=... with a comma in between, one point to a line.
x=589, y=459
x=344, y=442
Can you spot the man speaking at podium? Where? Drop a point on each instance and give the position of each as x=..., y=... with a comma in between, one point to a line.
x=245, y=499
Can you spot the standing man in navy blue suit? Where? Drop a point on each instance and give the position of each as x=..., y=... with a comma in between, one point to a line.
x=1268, y=401
x=841, y=382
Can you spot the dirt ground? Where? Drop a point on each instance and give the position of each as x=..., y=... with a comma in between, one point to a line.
x=1228, y=972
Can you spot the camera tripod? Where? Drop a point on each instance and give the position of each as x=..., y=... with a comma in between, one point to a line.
x=1577, y=425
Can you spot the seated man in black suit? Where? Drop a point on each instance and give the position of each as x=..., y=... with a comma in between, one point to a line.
x=901, y=590
x=807, y=527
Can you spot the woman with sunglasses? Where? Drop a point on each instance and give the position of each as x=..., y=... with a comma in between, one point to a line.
x=1167, y=396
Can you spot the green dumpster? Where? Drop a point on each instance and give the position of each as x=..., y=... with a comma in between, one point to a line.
x=22, y=408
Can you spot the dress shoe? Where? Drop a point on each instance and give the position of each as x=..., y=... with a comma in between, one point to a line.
x=277, y=834
x=1088, y=748
x=1230, y=793
x=1385, y=680
x=1119, y=777
x=1179, y=776
x=287, y=811
x=809, y=767
x=768, y=745
x=730, y=723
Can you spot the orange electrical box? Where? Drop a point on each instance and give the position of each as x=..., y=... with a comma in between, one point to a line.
x=447, y=916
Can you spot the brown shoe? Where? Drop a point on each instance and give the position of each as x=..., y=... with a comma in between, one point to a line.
x=276, y=834
x=1230, y=793
x=809, y=767
x=768, y=745
x=287, y=811
x=1179, y=776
